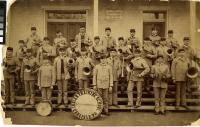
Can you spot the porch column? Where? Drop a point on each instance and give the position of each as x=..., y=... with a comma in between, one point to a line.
x=96, y=16
x=193, y=23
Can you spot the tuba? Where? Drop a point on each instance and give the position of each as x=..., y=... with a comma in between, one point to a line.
x=86, y=71
x=192, y=72
x=129, y=67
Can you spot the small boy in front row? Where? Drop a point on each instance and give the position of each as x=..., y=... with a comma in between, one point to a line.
x=160, y=72
x=103, y=81
x=45, y=79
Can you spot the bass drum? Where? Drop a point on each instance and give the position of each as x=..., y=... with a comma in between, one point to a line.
x=44, y=108
x=87, y=104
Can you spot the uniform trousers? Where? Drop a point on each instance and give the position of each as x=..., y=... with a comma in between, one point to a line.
x=83, y=83
x=159, y=96
x=131, y=85
x=30, y=91
x=181, y=93
x=62, y=91
x=113, y=94
x=46, y=93
x=9, y=90
x=104, y=94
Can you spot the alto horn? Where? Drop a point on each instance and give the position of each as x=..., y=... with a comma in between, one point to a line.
x=192, y=72
x=86, y=71
x=129, y=67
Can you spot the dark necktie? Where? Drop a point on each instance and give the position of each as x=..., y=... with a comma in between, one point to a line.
x=62, y=66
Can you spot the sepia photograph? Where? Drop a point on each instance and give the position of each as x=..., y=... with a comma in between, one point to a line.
x=100, y=62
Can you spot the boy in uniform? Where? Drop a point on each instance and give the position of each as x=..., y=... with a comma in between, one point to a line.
x=115, y=63
x=171, y=41
x=103, y=81
x=60, y=41
x=45, y=50
x=33, y=41
x=10, y=67
x=20, y=55
x=83, y=62
x=136, y=78
x=179, y=69
x=61, y=76
x=160, y=72
x=45, y=79
x=29, y=76
x=133, y=41
x=108, y=41
x=82, y=39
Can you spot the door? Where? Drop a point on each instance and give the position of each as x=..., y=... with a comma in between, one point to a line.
x=69, y=29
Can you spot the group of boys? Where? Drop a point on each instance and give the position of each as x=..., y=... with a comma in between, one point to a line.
x=105, y=62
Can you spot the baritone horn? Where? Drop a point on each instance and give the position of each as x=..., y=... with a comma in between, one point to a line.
x=86, y=71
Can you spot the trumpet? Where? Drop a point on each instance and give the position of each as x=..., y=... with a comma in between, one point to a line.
x=122, y=74
x=70, y=61
x=86, y=71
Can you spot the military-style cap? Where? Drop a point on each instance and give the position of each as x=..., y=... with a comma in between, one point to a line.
x=170, y=31
x=186, y=38
x=21, y=41
x=29, y=50
x=58, y=31
x=107, y=28
x=9, y=49
x=46, y=39
x=120, y=38
x=181, y=50
x=33, y=28
x=163, y=39
x=96, y=37
x=132, y=30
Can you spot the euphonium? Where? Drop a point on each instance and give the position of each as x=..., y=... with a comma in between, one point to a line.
x=86, y=71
